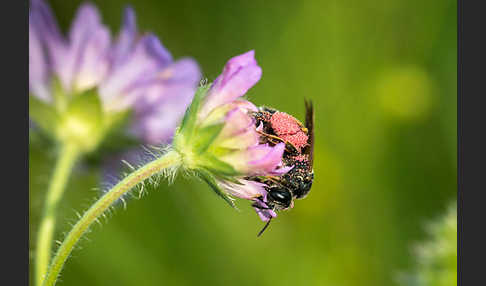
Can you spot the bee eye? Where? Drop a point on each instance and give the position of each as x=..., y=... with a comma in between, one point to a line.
x=282, y=196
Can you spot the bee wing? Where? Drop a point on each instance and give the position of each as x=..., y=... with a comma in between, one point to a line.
x=309, y=124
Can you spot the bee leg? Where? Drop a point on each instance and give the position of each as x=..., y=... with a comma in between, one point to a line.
x=255, y=205
x=274, y=179
x=264, y=228
x=270, y=136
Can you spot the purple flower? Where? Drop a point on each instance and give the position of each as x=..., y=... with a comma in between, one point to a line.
x=237, y=141
x=239, y=132
x=239, y=75
x=132, y=71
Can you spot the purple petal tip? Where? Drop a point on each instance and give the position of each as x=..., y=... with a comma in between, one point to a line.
x=129, y=19
x=155, y=48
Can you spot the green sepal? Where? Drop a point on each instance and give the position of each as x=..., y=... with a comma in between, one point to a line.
x=231, y=179
x=216, y=166
x=206, y=136
x=188, y=123
x=88, y=106
x=82, y=122
x=222, y=151
x=211, y=181
x=43, y=114
x=60, y=97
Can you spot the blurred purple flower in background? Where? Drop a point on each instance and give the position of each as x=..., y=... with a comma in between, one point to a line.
x=133, y=71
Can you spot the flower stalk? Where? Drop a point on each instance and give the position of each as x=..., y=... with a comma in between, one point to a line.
x=218, y=141
x=168, y=161
x=65, y=163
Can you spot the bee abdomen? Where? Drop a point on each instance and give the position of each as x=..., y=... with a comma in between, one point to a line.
x=299, y=179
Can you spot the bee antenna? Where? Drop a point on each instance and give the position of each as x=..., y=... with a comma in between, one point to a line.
x=265, y=227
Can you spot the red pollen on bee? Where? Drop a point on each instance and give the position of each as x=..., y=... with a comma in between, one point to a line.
x=282, y=123
x=301, y=158
x=288, y=128
x=299, y=139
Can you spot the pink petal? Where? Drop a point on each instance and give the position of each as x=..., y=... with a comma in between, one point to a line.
x=42, y=21
x=262, y=211
x=239, y=75
x=94, y=60
x=268, y=158
x=161, y=106
x=127, y=82
x=248, y=190
x=236, y=121
x=245, y=104
x=242, y=140
x=126, y=38
x=86, y=23
x=258, y=160
x=38, y=66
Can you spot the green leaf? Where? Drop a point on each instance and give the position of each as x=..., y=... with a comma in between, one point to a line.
x=206, y=136
x=210, y=180
x=188, y=123
x=44, y=115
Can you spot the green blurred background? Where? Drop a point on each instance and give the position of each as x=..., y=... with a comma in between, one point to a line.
x=382, y=75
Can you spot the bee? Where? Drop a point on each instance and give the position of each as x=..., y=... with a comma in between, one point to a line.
x=275, y=127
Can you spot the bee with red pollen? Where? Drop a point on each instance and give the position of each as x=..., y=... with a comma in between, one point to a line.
x=275, y=127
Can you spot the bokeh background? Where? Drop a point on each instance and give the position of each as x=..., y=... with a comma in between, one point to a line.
x=382, y=75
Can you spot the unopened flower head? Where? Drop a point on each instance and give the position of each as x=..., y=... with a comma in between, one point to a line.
x=89, y=70
x=221, y=140
x=435, y=258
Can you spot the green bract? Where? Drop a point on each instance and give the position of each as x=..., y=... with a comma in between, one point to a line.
x=194, y=141
x=75, y=119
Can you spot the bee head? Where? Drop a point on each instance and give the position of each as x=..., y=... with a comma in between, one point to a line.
x=279, y=197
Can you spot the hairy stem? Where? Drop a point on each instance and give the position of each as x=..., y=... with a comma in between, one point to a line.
x=65, y=162
x=170, y=159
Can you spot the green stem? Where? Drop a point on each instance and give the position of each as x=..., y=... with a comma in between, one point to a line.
x=65, y=162
x=170, y=159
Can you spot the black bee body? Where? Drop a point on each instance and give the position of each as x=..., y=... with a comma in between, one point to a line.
x=299, y=179
x=297, y=182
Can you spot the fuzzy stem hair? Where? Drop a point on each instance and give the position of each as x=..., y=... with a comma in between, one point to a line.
x=167, y=164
